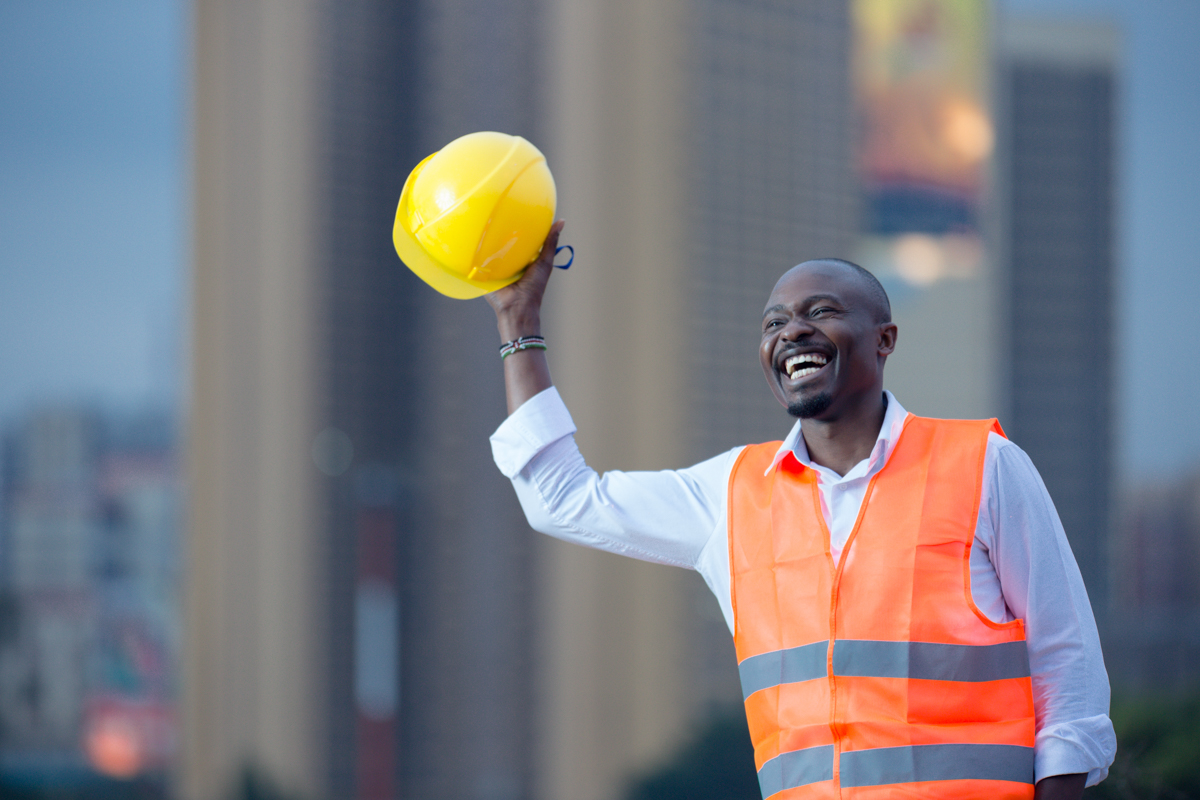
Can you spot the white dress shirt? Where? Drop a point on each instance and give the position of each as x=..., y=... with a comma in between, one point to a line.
x=1021, y=564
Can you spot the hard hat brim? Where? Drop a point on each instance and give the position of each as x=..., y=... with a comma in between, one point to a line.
x=428, y=268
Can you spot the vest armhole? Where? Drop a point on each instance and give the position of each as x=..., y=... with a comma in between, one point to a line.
x=737, y=464
x=993, y=425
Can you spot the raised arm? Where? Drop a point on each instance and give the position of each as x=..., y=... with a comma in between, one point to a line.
x=667, y=517
x=518, y=308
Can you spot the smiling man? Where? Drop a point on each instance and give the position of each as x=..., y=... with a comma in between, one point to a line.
x=908, y=617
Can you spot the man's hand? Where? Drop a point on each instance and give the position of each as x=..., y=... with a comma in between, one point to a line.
x=524, y=297
x=518, y=308
x=1060, y=787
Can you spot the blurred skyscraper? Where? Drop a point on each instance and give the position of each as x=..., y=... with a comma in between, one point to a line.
x=1057, y=93
x=1153, y=641
x=368, y=614
x=771, y=182
x=51, y=536
x=89, y=641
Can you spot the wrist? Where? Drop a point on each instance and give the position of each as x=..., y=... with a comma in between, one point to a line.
x=513, y=325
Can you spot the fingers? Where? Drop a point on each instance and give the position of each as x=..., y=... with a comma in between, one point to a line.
x=530, y=287
x=538, y=273
x=551, y=243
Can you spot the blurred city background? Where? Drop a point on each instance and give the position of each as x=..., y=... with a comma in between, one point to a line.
x=252, y=542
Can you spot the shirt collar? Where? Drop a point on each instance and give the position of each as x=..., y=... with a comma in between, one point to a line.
x=885, y=443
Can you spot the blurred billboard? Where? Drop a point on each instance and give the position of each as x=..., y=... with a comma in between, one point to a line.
x=921, y=70
x=925, y=140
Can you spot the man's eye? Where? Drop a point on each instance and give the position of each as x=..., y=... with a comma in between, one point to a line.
x=817, y=312
x=772, y=324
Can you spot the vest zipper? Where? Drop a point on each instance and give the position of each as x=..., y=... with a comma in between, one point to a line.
x=835, y=727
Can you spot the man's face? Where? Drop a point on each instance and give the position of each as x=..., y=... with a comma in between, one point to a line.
x=822, y=346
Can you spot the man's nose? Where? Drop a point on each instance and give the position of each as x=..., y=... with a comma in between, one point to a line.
x=797, y=328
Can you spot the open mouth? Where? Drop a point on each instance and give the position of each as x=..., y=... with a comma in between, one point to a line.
x=804, y=364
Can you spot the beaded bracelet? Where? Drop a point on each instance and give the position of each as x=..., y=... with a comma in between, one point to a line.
x=521, y=343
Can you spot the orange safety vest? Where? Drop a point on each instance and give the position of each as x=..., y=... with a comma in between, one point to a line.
x=877, y=676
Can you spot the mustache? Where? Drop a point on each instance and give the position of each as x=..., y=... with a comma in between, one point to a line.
x=809, y=344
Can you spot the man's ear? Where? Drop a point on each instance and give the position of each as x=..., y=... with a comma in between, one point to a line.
x=887, y=338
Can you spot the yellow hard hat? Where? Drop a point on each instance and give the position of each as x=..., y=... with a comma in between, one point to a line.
x=474, y=214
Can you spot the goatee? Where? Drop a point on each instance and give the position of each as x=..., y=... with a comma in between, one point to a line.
x=811, y=406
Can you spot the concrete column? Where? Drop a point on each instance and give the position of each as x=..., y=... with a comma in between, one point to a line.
x=614, y=630
x=253, y=686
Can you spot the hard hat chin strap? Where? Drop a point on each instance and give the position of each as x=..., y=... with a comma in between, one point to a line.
x=570, y=261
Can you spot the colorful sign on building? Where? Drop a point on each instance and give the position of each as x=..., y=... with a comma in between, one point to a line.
x=926, y=136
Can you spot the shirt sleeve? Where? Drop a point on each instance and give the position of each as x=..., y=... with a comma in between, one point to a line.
x=666, y=517
x=1041, y=585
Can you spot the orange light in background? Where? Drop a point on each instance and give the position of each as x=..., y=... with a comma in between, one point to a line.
x=124, y=736
x=967, y=130
x=114, y=747
x=918, y=259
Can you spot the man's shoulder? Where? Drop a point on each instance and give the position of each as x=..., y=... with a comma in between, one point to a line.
x=1003, y=454
x=759, y=455
x=952, y=421
x=773, y=446
x=758, y=450
x=978, y=426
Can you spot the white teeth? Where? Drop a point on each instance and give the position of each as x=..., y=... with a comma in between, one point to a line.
x=793, y=365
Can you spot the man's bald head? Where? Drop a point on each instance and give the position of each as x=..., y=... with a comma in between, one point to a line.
x=871, y=287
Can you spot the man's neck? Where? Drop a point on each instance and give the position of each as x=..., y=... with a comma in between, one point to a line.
x=841, y=442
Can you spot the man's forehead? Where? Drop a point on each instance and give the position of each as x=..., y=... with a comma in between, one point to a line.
x=814, y=279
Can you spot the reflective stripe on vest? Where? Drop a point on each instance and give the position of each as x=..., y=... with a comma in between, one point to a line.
x=887, y=765
x=795, y=769
x=937, y=762
x=921, y=660
x=877, y=670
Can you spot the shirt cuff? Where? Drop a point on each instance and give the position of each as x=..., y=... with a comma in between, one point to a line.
x=539, y=422
x=1086, y=745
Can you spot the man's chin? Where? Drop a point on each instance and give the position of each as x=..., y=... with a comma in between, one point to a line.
x=812, y=406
